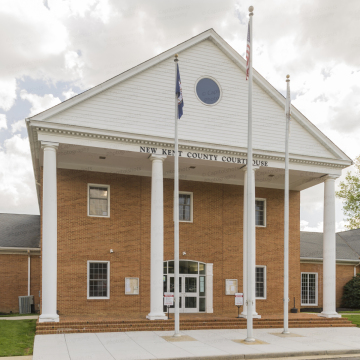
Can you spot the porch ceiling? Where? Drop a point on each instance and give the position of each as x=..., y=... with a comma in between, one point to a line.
x=135, y=163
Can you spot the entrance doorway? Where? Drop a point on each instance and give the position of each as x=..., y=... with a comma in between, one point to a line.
x=191, y=285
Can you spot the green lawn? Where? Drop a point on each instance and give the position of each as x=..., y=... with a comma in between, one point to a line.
x=17, y=337
x=355, y=319
x=349, y=312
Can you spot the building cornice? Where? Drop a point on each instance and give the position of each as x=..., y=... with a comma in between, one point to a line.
x=257, y=154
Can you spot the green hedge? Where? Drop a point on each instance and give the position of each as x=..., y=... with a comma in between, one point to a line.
x=351, y=296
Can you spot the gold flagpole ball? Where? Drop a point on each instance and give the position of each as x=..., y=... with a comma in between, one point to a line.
x=251, y=9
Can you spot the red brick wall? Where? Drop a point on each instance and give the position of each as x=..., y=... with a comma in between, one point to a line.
x=14, y=280
x=215, y=236
x=344, y=273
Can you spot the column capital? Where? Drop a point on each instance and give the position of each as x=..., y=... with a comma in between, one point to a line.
x=254, y=167
x=330, y=177
x=49, y=144
x=153, y=157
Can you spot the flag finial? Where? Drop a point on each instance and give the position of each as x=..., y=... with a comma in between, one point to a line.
x=287, y=78
x=251, y=9
x=176, y=58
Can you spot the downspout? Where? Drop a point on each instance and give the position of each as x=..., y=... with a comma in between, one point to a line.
x=355, y=268
x=28, y=272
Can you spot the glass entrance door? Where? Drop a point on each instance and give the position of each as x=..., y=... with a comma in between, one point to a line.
x=192, y=295
x=188, y=293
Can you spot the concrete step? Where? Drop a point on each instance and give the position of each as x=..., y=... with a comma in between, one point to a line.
x=125, y=329
x=187, y=323
x=146, y=325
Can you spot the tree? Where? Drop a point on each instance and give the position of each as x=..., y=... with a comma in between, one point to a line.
x=351, y=295
x=350, y=193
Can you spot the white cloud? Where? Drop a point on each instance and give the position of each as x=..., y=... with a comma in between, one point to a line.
x=7, y=92
x=3, y=124
x=304, y=226
x=69, y=93
x=17, y=184
x=18, y=126
x=39, y=103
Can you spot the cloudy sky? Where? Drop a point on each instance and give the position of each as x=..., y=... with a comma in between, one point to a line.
x=54, y=49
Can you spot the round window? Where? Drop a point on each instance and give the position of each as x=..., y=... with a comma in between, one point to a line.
x=208, y=91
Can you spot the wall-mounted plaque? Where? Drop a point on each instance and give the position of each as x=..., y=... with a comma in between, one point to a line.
x=231, y=286
x=131, y=286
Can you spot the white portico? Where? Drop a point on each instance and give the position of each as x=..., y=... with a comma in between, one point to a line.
x=122, y=127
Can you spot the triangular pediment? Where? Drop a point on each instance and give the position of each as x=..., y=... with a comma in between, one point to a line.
x=141, y=101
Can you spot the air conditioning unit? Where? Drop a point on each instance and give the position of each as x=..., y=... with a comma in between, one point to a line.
x=25, y=303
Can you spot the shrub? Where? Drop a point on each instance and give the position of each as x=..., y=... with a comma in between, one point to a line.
x=351, y=296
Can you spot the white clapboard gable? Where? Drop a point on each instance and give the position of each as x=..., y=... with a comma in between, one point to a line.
x=144, y=104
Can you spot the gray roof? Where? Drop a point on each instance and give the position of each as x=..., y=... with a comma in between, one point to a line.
x=311, y=246
x=19, y=230
x=352, y=239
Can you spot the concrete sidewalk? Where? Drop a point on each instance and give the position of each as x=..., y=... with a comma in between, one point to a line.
x=219, y=344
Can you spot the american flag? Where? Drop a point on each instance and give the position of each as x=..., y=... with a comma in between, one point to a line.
x=248, y=52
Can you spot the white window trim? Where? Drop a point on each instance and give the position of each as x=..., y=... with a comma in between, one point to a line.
x=88, y=281
x=265, y=282
x=264, y=200
x=191, y=205
x=316, y=288
x=88, y=200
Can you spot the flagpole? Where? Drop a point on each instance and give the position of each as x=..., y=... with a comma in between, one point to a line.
x=250, y=196
x=176, y=213
x=286, y=211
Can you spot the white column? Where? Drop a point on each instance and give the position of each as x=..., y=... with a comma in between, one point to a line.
x=253, y=262
x=209, y=288
x=157, y=239
x=49, y=235
x=329, y=250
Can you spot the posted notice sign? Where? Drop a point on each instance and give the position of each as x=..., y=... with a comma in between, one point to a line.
x=239, y=299
x=168, y=299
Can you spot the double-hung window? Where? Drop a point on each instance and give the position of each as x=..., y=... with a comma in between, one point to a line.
x=260, y=212
x=98, y=200
x=309, y=289
x=185, y=206
x=98, y=280
x=260, y=282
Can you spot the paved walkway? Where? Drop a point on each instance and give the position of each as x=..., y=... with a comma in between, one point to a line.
x=19, y=317
x=220, y=344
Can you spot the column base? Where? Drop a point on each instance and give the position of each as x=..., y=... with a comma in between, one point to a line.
x=255, y=316
x=49, y=318
x=160, y=316
x=330, y=315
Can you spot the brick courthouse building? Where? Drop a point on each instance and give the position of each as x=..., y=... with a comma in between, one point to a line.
x=104, y=170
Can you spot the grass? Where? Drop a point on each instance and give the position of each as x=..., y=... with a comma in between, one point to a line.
x=355, y=319
x=9, y=315
x=17, y=337
x=349, y=312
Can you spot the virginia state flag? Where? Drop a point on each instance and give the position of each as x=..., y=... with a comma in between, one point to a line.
x=179, y=94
